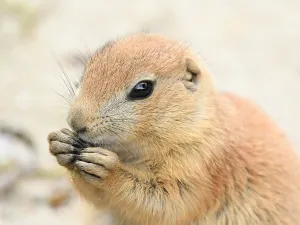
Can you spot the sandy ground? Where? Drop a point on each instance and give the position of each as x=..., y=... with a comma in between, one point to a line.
x=251, y=47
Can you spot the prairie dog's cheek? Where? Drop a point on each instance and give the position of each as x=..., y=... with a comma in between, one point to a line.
x=145, y=115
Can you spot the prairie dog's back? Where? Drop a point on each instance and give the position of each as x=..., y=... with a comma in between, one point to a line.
x=264, y=167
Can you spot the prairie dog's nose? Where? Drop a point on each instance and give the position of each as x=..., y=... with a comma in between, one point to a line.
x=76, y=121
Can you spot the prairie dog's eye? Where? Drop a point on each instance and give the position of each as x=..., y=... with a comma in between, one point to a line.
x=141, y=90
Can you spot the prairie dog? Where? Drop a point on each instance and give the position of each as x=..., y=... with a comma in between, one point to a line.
x=154, y=142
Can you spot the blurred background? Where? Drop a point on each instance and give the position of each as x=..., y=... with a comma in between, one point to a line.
x=251, y=47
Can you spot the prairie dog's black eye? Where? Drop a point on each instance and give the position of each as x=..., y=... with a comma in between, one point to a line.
x=142, y=90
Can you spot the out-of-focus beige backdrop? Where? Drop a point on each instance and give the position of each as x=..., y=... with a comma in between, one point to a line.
x=251, y=47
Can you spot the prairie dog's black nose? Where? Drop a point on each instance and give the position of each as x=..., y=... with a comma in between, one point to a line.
x=76, y=121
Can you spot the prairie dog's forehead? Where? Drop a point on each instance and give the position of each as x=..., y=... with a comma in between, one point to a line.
x=120, y=63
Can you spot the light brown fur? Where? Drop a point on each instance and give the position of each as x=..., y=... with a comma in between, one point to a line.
x=188, y=154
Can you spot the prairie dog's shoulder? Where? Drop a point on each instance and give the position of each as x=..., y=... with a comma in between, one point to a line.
x=247, y=111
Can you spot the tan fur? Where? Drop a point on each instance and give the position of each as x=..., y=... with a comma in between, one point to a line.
x=185, y=155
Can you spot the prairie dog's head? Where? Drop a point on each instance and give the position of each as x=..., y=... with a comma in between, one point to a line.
x=141, y=89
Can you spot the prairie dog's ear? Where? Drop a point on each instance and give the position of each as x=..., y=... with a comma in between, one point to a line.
x=191, y=75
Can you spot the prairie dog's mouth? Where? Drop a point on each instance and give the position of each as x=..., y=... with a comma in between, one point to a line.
x=108, y=143
x=94, y=142
x=105, y=141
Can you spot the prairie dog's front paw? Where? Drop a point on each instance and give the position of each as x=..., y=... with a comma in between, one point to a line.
x=96, y=165
x=65, y=146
